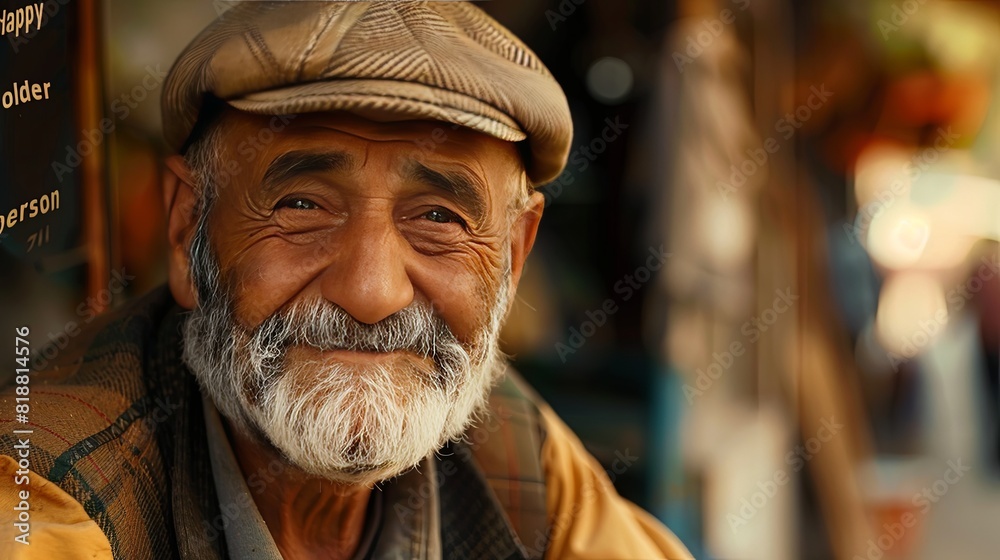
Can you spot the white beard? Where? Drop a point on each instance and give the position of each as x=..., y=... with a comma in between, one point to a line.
x=346, y=422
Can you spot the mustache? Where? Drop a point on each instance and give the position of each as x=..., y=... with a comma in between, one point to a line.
x=325, y=326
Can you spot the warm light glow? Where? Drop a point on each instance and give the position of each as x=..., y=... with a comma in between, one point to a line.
x=881, y=175
x=727, y=232
x=911, y=314
x=898, y=236
x=936, y=225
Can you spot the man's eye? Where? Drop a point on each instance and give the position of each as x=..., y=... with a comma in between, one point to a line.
x=442, y=216
x=298, y=204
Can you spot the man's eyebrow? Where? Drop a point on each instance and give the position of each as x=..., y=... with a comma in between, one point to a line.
x=297, y=163
x=465, y=189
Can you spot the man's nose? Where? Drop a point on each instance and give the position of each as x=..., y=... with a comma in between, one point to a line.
x=368, y=279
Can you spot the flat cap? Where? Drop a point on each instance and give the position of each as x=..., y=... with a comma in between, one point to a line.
x=388, y=60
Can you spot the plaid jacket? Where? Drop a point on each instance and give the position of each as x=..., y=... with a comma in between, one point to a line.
x=120, y=429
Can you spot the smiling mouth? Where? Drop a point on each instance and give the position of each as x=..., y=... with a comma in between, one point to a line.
x=432, y=369
x=363, y=356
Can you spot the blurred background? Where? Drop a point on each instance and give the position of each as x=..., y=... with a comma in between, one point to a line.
x=766, y=293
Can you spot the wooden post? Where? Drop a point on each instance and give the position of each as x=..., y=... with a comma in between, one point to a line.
x=87, y=80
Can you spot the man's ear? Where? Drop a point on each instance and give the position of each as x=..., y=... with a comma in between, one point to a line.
x=522, y=236
x=181, y=203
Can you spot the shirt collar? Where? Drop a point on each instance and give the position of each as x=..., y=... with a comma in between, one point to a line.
x=246, y=533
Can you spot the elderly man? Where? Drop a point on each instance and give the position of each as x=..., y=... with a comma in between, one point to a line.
x=349, y=213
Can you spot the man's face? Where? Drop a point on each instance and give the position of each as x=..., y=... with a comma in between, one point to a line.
x=363, y=271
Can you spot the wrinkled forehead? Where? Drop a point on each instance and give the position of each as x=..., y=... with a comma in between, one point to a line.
x=253, y=141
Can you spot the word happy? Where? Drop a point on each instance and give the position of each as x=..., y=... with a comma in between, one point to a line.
x=15, y=22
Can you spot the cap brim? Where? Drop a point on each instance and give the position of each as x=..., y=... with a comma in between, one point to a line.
x=383, y=100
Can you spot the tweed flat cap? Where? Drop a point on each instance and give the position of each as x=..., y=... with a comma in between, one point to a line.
x=388, y=60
